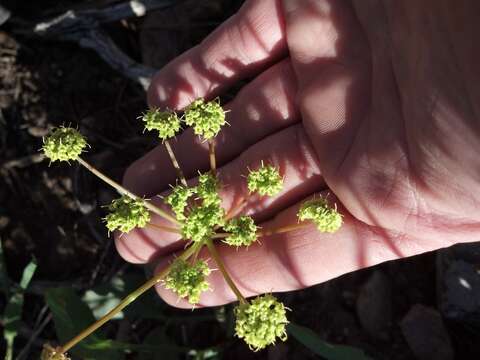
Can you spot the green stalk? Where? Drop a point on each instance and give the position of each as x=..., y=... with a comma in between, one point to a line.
x=284, y=229
x=175, y=164
x=221, y=266
x=124, y=191
x=213, y=160
x=165, y=228
x=123, y=304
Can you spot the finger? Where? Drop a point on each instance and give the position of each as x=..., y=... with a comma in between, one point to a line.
x=331, y=59
x=289, y=150
x=241, y=46
x=262, y=107
x=298, y=259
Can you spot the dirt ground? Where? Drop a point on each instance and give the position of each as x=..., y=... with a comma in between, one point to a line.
x=53, y=213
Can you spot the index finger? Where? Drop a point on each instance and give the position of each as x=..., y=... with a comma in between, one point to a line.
x=244, y=44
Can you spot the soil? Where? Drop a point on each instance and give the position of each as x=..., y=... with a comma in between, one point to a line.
x=52, y=212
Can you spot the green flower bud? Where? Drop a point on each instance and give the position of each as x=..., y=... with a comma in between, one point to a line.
x=207, y=118
x=188, y=281
x=326, y=218
x=167, y=123
x=261, y=322
x=126, y=214
x=51, y=353
x=200, y=222
x=243, y=231
x=64, y=144
x=178, y=200
x=207, y=189
x=266, y=180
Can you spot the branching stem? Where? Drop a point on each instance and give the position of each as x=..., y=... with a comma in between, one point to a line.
x=124, y=191
x=175, y=164
x=283, y=229
x=221, y=266
x=213, y=160
x=124, y=303
x=233, y=211
x=165, y=228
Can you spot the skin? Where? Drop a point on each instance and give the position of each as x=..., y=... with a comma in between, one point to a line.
x=374, y=103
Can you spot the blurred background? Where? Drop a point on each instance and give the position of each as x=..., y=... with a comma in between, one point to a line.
x=87, y=63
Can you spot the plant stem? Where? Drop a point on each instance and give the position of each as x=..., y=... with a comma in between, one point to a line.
x=9, y=351
x=124, y=191
x=233, y=211
x=220, y=235
x=175, y=163
x=165, y=228
x=221, y=266
x=213, y=160
x=123, y=304
x=283, y=229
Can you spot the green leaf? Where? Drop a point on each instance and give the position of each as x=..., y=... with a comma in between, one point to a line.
x=28, y=273
x=330, y=352
x=71, y=316
x=104, y=297
x=12, y=315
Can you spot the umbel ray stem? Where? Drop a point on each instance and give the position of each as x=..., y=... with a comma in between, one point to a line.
x=175, y=164
x=126, y=192
x=221, y=266
x=212, y=157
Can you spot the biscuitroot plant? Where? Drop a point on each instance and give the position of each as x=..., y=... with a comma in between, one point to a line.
x=198, y=217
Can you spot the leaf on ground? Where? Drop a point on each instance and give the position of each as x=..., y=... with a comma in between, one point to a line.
x=12, y=315
x=320, y=347
x=105, y=297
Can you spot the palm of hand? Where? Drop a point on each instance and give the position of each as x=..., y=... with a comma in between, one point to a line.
x=378, y=119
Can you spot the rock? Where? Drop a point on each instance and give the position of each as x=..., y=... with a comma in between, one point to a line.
x=374, y=305
x=461, y=298
x=426, y=335
x=4, y=15
x=4, y=221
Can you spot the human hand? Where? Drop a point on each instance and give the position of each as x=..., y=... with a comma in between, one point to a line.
x=373, y=102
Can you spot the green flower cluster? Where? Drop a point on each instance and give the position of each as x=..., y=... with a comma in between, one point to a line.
x=243, y=231
x=207, y=189
x=126, y=214
x=326, y=218
x=266, y=180
x=167, y=123
x=178, y=200
x=200, y=222
x=64, y=144
x=261, y=321
x=205, y=214
x=188, y=281
x=207, y=118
